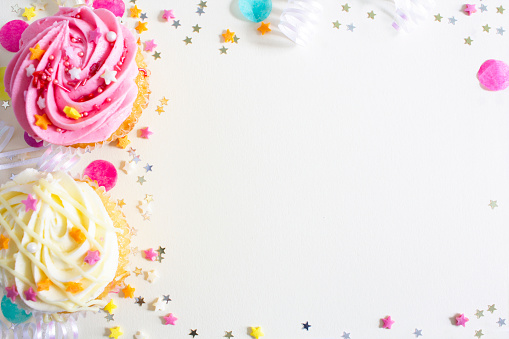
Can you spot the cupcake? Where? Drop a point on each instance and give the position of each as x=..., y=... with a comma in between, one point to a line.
x=79, y=78
x=63, y=243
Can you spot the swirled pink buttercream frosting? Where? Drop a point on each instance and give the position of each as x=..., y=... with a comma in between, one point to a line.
x=72, y=80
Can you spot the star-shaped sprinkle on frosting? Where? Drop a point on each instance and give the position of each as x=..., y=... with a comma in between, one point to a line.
x=74, y=287
x=36, y=52
x=109, y=76
x=42, y=121
x=43, y=285
x=94, y=34
x=30, y=70
x=387, y=322
x=170, y=319
x=12, y=292
x=92, y=257
x=30, y=294
x=77, y=235
x=30, y=203
x=4, y=242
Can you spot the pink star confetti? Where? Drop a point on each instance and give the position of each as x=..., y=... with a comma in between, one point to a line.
x=12, y=292
x=150, y=254
x=470, y=9
x=145, y=133
x=92, y=257
x=170, y=319
x=168, y=14
x=94, y=35
x=150, y=45
x=30, y=203
x=461, y=320
x=387, y=322
x=30, y=294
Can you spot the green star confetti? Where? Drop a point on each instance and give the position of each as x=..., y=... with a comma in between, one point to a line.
x=196, y=28
x=468, y=41
x=156, y=55
x=223, y=50
x=371, y=15
x=438, y=17
x=346, y=8
x=336, y=24
x=187, y=40
x=486, y=28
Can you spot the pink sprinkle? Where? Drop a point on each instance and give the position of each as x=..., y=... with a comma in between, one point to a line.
x=62, y=87
x=150, y=254
x=150, y=45
x=145, y=133
x=461, y=320
x=30, y=203
x=168, y=14
x=12, y=292
x=470, y=9
x=51, y=57
x=92, y=257
x=102, y=171
x=30, y=294
x=494, y=75
x=388, y=322
x=10, y=34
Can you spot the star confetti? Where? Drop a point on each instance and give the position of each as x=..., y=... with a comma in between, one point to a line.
x=470, y=9
x=141, y=180
x=202, y=4
x=438, y=17
x=123, y=142
x=5, y=104
x=160, y=109
x=145, y=133
x=468, y=41
x=228, y=36
x=29, y=13
x=120, y=203
x=479, y=314
x=264, y=28
x=141, y=27
x=500, y=10
x=417, y=333
x=452, y=20
x=159, y=304
x=256, y=332
x=140, y=335
x=350, y=27
x=170, y=319
x=345, y=335
x=176, y=23
x=336, y=24
x=128, y=291
x=188, y=40
x=371, y=15
x=501, y=322
x=110, y=307
x=156, y=55
x=200, y=11
x=306, y=326
x=140, y=301
x=461, y=320
x=223, y=50
x=150, y=254
x=493, y=204
x=166, y=298
x=387, y=322
x=193, y=333
x=150, y=45
x=92, y=257
x=196, y=28
x=148, y=168
x=478, y=334
x=128, y=167
x=345, y=8
x=135, y=12
x=500, y=31
x=109, y=317
x=486, y=28
x=168, y=14
x=228, y=334
x=491, y=308
x=161, y=250
x=115, y=332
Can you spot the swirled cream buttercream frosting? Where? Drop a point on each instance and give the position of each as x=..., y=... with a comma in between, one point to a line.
x=73, y=79
x=58, y=244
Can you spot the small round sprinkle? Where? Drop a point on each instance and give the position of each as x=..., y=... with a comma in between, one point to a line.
x=108, y=99
x=43, y=77
x=66, y=69
x=32, y=247
x=51, y=57
x=59, y=130
x=111, y=36
x=99, y=90
x=119, y=63
x=73, y=40
x=50, y=69
x=85, y=114
x=81, y=54
x=55, y=81
x=78, y=16
x=66, y=63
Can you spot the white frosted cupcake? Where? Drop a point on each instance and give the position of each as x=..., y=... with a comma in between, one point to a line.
x=63, y=243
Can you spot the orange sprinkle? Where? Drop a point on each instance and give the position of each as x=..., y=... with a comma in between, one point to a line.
x=4, y=242
x=77, y=235
x=42, y=121
x=74, y=287
x=43, y=285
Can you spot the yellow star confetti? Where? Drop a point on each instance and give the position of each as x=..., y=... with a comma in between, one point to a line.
x=123, y=142
x=228, y=36
x=128, y=291
x=120, y=203
x=141, y=27
x=29, y=13
x=264, y=28
x=164, y=101
x=160, y=109
x=115, y=332
x=256, y=332
x=137, y=271
x=110, y=306
x=37, y=52
x=135, y=12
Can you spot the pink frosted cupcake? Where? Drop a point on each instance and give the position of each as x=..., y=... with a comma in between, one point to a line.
x=78, y=78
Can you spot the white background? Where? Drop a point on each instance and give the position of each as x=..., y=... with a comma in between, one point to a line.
x=335, y=184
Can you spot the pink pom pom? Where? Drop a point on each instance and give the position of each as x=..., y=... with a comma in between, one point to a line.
x=494, y=75
x=10, y=34
x=103, y=172
x=117, y=7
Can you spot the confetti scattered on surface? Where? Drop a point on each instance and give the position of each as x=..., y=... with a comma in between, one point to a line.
x=29, y=13
x=417, y=333
x=223, y=50
x=479, y=314
x=141, y=180
x=103, y=172
x=128, y=291
x=117, y=7
x=264, y=28
x=193, y=333
x=151, y=276
x=438, y=17
x=478, y=334
x=188, y=40
x=168, y=14
x=256, y=332
x=387, y=322
x=491, y=308
x=170, y=319
x=470, y=9
x=176, y=24
x=336, y=24
x=228, y=334
x=159, y=304
x=345, y=8
x=461, y=320
x=500, y=10
x=150, y=254
x=115, y=332
x=156, y=55
x=468, y=41
x=140, y=301
x=371, y=15
x=228, y=36
x=123, y=142
x=345, y=335
x=150, y=45
x=494, y=76
x=110, y=306
x=141, y=27
x=10, y=34
x=135, y=12
x=501, y=322
x=196, y=28
x=145, y=133
x=306, y=326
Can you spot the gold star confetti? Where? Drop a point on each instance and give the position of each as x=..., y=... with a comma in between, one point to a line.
x=187, y=40
x=486, y=28
x=141, y=27
x=346, y=8
x=146, y=217
x=156, y=55
x=149, y=198
x=135, y=12
x=164, y=101
x=468, y=41
x=371, y=15
x=137, y=271
x=29, y=13
x=438, y=17
x=196, y=28
x=500, y=10
x=336, y=24
x=160, y=109
x=120, y=203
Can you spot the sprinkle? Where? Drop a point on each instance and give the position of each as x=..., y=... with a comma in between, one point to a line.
x=148, y=168
x=109, y=317
x=168, y=14
x=461, y=320
x=150, y=254
x=75, y=73
x=128, y=291
x=256, y=332
x=345, y=7
x=150, y=45
x=30, y=294
x=501, y=322
x=12, y=292
x=5, y=104
x=264, y=28
x=345, y=335
x=110, y=306
x=29, y=13
x=228, y=334
x=151, y=276
x=111, y=36
x=92, y=257
x=135, y=12
x=30, y=70
x=140, y=335
x=72, y=113
x=161, y=250
x=10, y=34
x=74, y=287
x=94, y=35
x=156, y=55
x=109, y=76
x=188, y=40
x=42, y=121
x=202, y=4
x=417, y=333
x=470, y=9
x=478, y=334
x=123, y=142
x=128, y=167
x=228, y=36
x=44, y=285
x=145, y=133
x=159, y=304
x=388, y=322
x=166, y=298
x=32, y=247
x=141, y=27
x=115, y=332
x=493, y=204
x=196, y=28
x=170, y=319
x=30, y=203
x=500, y=10
x=41, y=103
x=176, y=23
x=77, y=235
x=36, y=53
x=200, y=11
